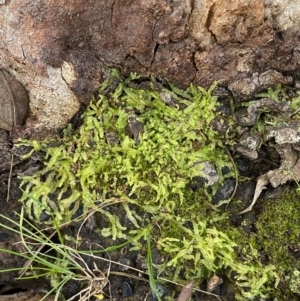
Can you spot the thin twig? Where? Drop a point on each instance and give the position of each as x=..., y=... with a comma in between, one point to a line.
x=236, y=178
x=137, y=270
x=294, y=113
x=145, y=273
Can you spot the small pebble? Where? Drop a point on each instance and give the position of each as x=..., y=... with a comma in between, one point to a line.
x=126, y=290
x=125, y=264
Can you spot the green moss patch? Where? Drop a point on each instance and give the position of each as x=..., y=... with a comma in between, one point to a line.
x=278, y=236
x=143, y=149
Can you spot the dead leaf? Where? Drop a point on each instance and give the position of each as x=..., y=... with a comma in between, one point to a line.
x=260, y=186
x=14, y=102
x=289, y=170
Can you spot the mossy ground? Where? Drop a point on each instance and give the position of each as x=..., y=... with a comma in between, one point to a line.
x=143, y=149
x=278, y=236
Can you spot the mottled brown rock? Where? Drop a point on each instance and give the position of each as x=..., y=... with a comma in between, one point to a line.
x=198, y=21
x=231, y=21
x=174, y=61
x=60, y=50
x=173, y=27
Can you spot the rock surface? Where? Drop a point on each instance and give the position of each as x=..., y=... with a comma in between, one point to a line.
x=60, y=52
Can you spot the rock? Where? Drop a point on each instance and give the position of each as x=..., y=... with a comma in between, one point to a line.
x=186, y=292
x=231, y=20
x=141, y=262
x=125, y=264
x=285, y=13
x=60, y=52
x=244, y=166
x=213, y=283
x=248, y=116
x=47, y=94
x=126, y=289
x=134, y=127
x=197, y=23
x=208, y=172
x=224, y=191
x=174, y=26
x=248, y=145
x=283, y=133
x=247, y=87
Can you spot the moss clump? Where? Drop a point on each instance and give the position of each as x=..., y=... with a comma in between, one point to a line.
x=142, y=149
x=278, y=236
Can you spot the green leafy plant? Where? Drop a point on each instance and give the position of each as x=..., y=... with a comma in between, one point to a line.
x=87, y=166
x=141, y=149
x=278, y=94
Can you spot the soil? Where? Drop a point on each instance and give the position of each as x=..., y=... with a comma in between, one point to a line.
x=125, y=283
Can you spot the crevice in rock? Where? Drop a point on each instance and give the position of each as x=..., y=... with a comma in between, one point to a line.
x=209, y=20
